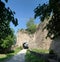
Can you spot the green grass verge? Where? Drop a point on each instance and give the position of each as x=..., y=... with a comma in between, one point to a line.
x=4, y=57
x=33, y=58
x=40, y=50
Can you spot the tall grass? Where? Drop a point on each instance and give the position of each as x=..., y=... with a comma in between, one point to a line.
x=33, y=58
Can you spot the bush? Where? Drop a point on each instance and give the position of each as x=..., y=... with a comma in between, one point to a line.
x=33, y=58
x=4, y=57
x=6, y=44
x=31, y=26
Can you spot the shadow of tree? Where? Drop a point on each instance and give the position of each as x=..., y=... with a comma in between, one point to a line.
x=8, y=56
x=46, y=56
x=55, y=48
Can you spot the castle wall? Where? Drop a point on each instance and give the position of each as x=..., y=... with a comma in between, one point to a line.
x=38, y=39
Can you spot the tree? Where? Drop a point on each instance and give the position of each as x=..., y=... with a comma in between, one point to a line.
x=31, y=27
x=7, y=42
x=6, y=16
x=45, y=11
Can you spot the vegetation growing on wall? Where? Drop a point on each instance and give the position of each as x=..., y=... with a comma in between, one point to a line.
x=31, y=26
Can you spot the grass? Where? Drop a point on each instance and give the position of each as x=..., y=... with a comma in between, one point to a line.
x=40, y=50
x=4, y=57
x=33, y=58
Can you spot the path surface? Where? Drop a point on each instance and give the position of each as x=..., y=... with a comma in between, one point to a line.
x=20, y=57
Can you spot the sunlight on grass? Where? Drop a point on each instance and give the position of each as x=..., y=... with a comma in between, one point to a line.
x=4, y=57
x=33, y=58
x=40, y=50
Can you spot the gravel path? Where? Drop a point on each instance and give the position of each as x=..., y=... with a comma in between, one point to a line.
x=20, y=57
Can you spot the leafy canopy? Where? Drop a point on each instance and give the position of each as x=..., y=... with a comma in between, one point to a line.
x=6, y=34
x=45, y=11
x=31, y=26
x=6, y=16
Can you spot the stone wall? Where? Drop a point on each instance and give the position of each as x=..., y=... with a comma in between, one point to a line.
x=23, y=36
x=55, y=45
x=38, y=39
x=43, y=43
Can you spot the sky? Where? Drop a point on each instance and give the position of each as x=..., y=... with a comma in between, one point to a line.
x=24, y=10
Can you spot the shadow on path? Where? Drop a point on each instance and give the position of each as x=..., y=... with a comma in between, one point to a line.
x=20, y=57
x=46, y=56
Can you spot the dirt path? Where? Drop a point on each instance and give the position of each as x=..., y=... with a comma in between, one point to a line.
x=20, y=57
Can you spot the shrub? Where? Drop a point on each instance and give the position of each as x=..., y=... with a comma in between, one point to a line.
x=33, y=58
x=6, y=44
x=31, y=26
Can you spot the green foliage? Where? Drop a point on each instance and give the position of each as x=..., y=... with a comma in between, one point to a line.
x=6, y=16
x=40, y=50
x=42, y=11
x=4, y=57
x=33, y=58
x=6, y=34
x=51, y=52
x=7, y=42
x=45, y=11
x=31, y=27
